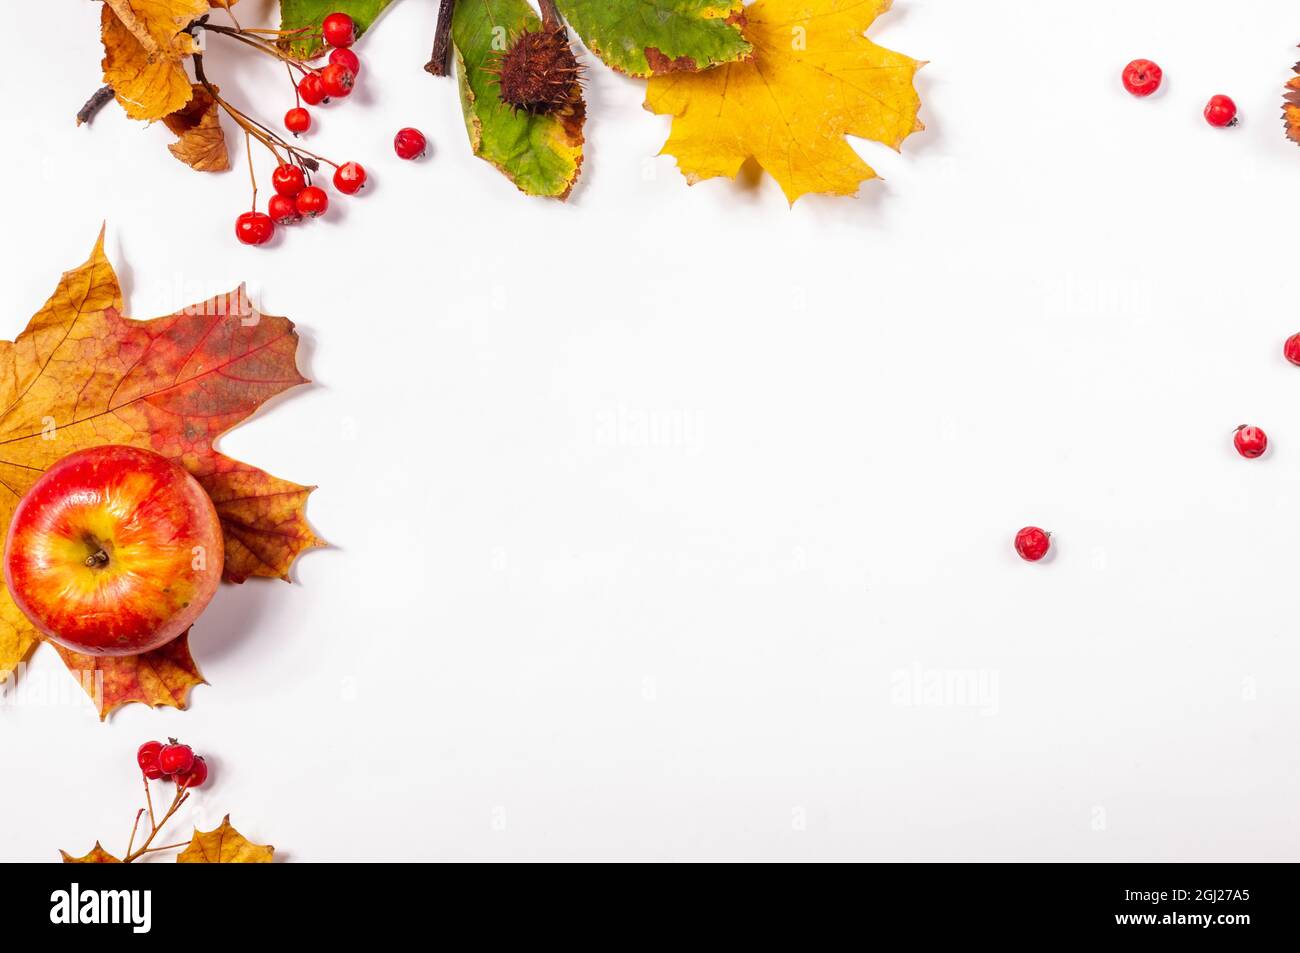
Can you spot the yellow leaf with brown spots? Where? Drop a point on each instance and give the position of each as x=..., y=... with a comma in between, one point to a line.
x=144, y=44
x=97, y=855
x=225, y=845
x=200, y=143
x=84, y=375
x=813, y=78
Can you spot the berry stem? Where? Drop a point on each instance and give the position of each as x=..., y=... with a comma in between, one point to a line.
x=438, y=59
x=149, y=801
x=134, y=828
x=225, y=5
x=259, y=44
x=94, y=104
x=266, y=136
x=181, y=797
x=248, y=150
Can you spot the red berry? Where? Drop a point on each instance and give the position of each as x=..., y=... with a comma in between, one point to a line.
x=1142, y=77
x=347, y=58
x=1250, y=442
x=254, y=228
x=339, y=30
x=283, y=210
x=176, y=758
x=338, y=80
x=194, y=778
x=297, y=120
x=1291, y=349
x=311, y=89
x=409, y=143
x=350, y=178
x=312, y=202
x=1220, y=111
x=1033, y=543
x=288, y=179
x=147, y=759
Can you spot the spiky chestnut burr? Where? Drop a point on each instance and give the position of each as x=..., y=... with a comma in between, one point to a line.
x=538, y=73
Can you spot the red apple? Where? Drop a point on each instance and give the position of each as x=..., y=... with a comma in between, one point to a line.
x=114, y=551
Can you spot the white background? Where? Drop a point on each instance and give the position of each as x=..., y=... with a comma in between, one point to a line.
x=640, y=504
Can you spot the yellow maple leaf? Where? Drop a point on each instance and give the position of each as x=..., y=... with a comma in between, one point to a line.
x=225, y=845
x=97, y=855
x=144, y=43
x=814, y=78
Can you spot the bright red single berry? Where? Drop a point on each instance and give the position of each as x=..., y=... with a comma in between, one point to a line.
x=312, y=202
x=254, y=228
x=1142, y=77
x=409, y=143
x=177, y=758
x=297, y=120
x=195, y=776
x=346, y=58
x=288, y=179
x=311, y=89
x=1291, y=349
x=1250, y=442
x=339, y=30
x=283, y=210
x=1220, y=111
x=338, y=80
x=350, y=178
x=147, y=758
x=1033, y=543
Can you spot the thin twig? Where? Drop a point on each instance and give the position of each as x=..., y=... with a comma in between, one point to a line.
x=438, y=59
x=225, y=5
x=180, y=798
x=134, y=827
x=94, y=104
x=149, y=800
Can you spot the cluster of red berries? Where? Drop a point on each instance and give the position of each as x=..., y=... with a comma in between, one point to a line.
x=173, y=761
x=1143, y=77
x=296, y=198
x=334, y=80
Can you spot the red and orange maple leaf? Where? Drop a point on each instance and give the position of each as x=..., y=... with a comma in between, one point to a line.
x=82, y=375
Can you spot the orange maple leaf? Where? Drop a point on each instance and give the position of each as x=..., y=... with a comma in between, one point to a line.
x=97, y=855
x=83, y=375
x=1291, y=106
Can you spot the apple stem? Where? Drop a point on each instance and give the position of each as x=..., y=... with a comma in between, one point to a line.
x=97, y=558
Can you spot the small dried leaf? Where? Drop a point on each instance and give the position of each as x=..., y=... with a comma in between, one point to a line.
x=225, y=845
x=200, y=143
